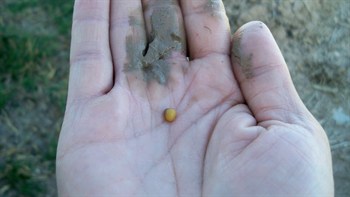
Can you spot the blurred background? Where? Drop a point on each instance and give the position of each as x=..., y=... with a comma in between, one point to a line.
x=314, y=36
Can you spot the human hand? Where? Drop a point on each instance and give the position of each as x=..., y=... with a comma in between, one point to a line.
x=241, y=129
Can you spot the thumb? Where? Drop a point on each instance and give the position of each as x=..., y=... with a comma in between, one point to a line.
x=263, y=76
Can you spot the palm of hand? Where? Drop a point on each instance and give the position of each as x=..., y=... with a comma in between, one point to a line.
x=121, y=139
x=126, y=127
x=119, y=143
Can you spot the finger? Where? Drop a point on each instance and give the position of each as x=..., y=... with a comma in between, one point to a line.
x=91, y=71
x=207, y=27
x=128, y=37
x=263, y=75
x=165, y=29
x=164, y=41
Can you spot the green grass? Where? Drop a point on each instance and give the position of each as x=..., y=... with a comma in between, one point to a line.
x=34, y=48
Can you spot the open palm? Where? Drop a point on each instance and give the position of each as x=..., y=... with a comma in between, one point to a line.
x=241, y=128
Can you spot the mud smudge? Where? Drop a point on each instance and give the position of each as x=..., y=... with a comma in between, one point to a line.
x=213, y=4
x=246, y=64
x=214, y=7
x=245, y=61
x=166, y=37
x=236, y=48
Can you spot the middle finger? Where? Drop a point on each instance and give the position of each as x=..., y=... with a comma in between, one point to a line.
x=164, y=22
x=165, y=37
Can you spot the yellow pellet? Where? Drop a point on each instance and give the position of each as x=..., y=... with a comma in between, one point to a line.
x=170, y=114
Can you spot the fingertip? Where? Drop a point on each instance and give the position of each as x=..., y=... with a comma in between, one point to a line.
x=207, y=27
x=254, y=45
x=255, y=52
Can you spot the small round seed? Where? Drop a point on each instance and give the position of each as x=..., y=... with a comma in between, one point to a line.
x=170, y=114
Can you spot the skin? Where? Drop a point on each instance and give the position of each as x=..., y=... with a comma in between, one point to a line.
x=241, y=130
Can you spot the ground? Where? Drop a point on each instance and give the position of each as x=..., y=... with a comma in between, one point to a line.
x=314, y=36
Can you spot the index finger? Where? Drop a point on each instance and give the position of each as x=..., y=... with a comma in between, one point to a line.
x=91, y=70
